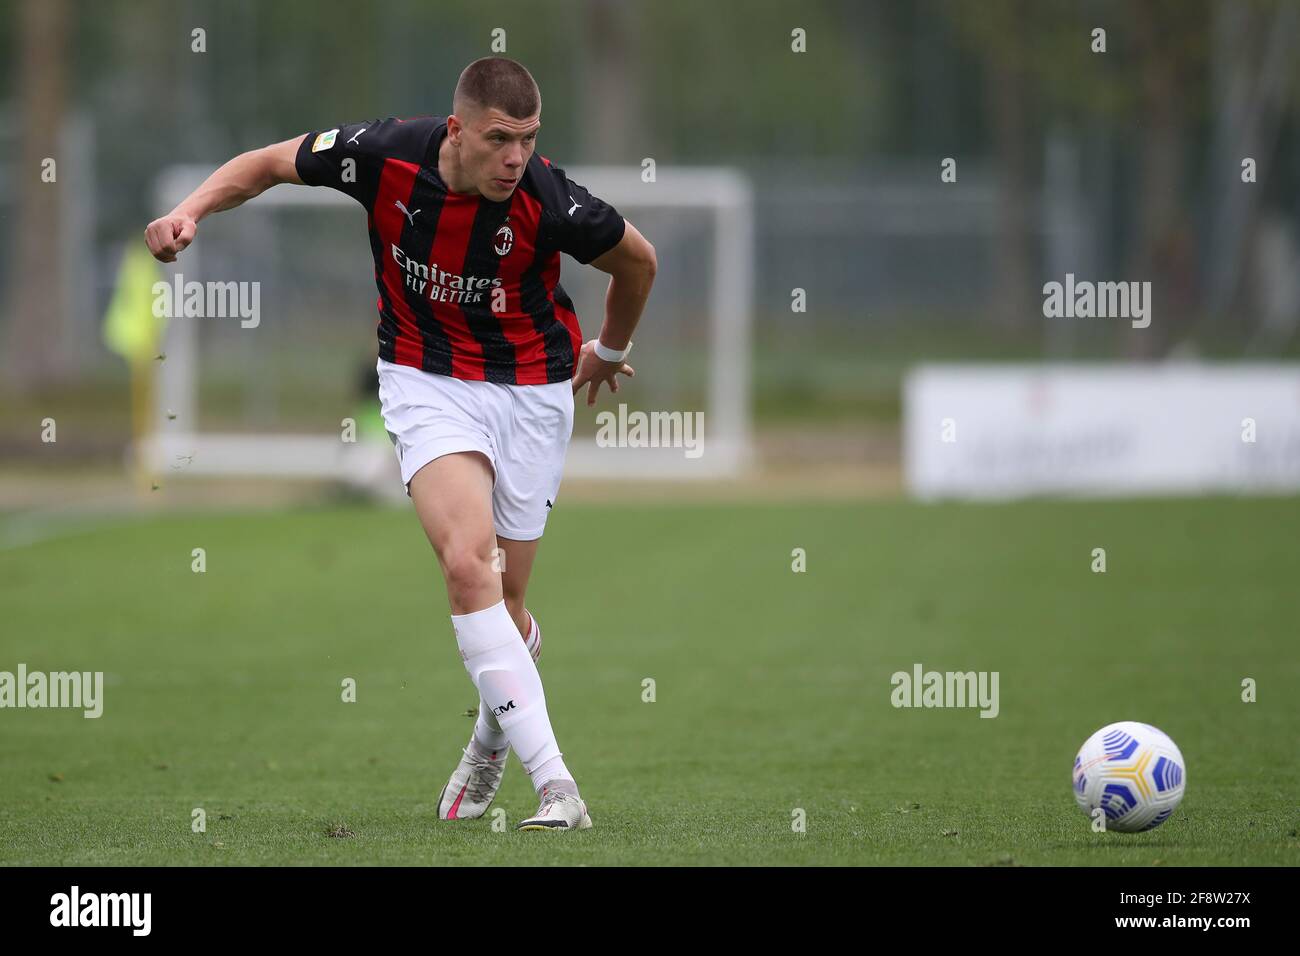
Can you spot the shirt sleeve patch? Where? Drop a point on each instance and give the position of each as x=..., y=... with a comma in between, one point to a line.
x=325, y=140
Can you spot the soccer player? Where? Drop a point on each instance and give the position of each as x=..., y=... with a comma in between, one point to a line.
x=480, y=359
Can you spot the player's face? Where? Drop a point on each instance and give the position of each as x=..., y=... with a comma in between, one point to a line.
x=495, y=151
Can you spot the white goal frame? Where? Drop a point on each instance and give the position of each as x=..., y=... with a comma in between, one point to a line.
x=727, y=433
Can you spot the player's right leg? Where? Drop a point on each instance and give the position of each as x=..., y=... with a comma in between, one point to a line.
x=453, y=498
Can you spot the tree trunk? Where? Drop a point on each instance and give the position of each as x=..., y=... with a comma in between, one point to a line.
x=610, y=79
x=36, y=303
x=1166, y=247
x=1012, y=302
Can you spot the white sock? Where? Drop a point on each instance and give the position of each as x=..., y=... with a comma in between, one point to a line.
x=510, y=687
x=488, y=737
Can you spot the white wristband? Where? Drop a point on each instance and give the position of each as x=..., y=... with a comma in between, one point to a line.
x=611, y=355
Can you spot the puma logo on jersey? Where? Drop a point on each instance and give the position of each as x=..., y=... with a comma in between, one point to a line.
x=410, y=216
x=353, y=140
x=576, y=205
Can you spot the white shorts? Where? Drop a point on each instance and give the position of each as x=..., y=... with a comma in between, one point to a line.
x=524, y=431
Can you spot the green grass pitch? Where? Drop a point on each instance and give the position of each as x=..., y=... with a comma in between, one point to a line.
x=223, y=689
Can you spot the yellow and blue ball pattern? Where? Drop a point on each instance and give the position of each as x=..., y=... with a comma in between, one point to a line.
x=1134, y=772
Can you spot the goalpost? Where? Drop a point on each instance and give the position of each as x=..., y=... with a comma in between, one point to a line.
x=692, y=345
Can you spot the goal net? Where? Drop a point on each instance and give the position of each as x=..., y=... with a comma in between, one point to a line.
x=275, y=396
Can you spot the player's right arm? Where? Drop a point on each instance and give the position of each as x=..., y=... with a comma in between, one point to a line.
x=247, y=175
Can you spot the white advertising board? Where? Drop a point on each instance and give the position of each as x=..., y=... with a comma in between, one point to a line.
x=1006, y=431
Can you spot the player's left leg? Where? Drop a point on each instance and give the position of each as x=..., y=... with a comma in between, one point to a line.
x=517, y=559
x=531, y=434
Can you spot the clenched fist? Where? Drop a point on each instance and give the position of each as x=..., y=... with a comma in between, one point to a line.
x=169, y=236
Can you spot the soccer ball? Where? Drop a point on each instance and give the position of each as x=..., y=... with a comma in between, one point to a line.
x=1134, y=772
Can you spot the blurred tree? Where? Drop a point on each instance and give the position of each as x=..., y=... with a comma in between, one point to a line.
x=1000, y=32
x=610, y=88
x=1170, y=62
x=36, y=306
x=724, y=85
x=1040, y=69
x=1255, y=77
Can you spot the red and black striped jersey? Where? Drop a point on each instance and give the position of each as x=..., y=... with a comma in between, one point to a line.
x=468, y=286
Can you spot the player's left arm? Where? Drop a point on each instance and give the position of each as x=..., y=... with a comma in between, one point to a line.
x=631, y=265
